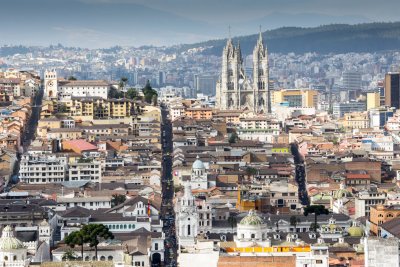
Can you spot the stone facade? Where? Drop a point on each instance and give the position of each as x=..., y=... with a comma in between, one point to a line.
x=234, y=89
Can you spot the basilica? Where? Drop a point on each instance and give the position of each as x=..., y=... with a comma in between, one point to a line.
x=236, y=91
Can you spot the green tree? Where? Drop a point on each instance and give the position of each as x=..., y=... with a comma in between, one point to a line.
x=233, y=138
x=316, y=210
x=76, y=238
x=294, y=221
x=69, y=255
x=71, y=78
x=122, y=82
x=117, y=199
x=232, y=221
x=132, y=93
x=93, y=233
x=114, y=93
x=250, y=171
x=148, y=92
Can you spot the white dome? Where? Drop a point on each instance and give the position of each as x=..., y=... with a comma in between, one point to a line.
x=8, y=241
x=198, y=164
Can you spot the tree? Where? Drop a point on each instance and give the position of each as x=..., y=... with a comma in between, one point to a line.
x=76, y=238
x=316, y=210
x=148, y=92
x=114, y=93
x=250, y=171
x=117, y=199
x=122, y=82
x=132, y=93
x=232, y=221
x=71, y=78
x=294, y=221
x=154, y=100
x=69, y=255
x=95, y=232
x=233, y=138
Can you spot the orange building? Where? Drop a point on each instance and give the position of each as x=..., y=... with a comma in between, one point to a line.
x=380, y=214
x=199, y=113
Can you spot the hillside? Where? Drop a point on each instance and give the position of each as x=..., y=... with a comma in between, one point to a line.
x=335, y=38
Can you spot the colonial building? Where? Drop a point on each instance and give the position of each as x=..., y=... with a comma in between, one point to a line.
x=237, y=91
x=187, y=219
x=60, y=89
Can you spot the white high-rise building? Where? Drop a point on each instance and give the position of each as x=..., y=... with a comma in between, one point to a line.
x=237, y=91
x=187, y=219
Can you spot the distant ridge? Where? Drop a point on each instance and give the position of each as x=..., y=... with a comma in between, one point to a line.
x=334, y=38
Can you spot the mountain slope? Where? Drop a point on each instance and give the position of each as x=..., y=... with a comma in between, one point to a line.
x=335, y=38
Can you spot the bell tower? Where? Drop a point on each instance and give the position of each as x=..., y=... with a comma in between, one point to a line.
x=50, y=84
x=261, y=76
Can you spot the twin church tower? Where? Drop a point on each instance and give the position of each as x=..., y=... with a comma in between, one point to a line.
x=234, y=90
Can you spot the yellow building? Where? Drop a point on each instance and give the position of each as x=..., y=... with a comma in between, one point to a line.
x=295, y=97
x=356, y=120
x=373, y=100
x=97, y=108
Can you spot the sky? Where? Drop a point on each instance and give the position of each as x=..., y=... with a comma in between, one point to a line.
x=105, y=23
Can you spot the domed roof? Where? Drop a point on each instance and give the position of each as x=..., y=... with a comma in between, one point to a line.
x=341, y=192
x=8, y=241
x=355, y=230
x=198, y=164
x=252, y=219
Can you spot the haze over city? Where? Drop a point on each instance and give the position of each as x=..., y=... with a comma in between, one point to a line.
x=105, y=23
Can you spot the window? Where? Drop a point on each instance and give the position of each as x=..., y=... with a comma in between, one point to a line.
x=15, y=257
x=110, y=258
x=137, y=263
x=253, y=236
x=5, y=258
x=156, y=246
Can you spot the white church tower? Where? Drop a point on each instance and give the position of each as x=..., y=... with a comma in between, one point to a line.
x=187, y=219
x=50, y=84
x=236, y=91
x=261, y=76
x=198, y=177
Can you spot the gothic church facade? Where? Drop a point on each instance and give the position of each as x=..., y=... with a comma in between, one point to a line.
x=236, y=91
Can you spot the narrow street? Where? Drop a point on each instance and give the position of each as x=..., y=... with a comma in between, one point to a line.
x=29, y=133
x=300, y=177
x=167, y=209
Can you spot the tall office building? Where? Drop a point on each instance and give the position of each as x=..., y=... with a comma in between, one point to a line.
x=392, y=89
x=237, y=91
x=352, y=83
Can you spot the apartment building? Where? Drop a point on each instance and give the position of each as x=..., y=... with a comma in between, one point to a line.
x=43, y=169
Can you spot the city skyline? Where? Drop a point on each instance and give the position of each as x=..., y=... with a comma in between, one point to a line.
x=105, y=23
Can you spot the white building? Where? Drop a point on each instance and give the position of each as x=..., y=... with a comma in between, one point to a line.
x=42, y=169
x=85, y=171
x=12, y=251
x=235, y=90
x=252, y=240
x=187, y=219
x=65, y=89
x=381, y=252
x=198, y=177
x=368, y=198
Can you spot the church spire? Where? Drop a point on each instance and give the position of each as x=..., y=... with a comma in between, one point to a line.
x=260, y=40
